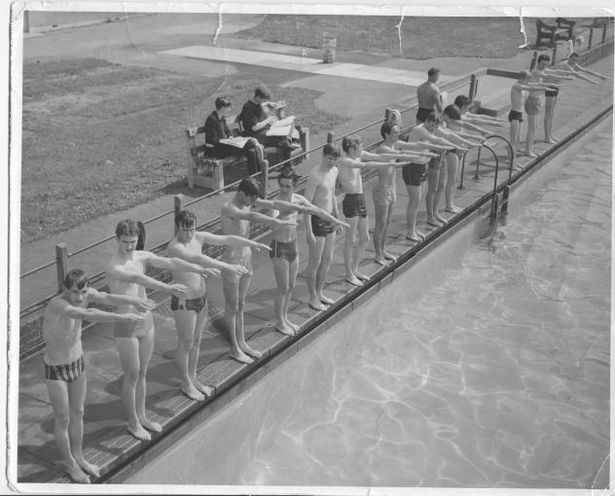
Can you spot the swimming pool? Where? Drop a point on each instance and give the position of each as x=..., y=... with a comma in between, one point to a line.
x=486, y=365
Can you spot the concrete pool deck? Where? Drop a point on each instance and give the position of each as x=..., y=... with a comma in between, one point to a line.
x=106, y=440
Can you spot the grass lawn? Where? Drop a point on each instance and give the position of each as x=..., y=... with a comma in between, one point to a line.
x=100, y=137
x=421, y=37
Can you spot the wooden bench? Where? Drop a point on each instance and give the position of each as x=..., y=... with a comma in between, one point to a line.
x=548, y=35
x=203, y=169
x=597, y=23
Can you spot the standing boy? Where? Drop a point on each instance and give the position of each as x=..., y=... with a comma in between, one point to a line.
x=65, y=362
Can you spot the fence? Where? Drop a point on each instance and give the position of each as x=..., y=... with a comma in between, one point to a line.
x=99, y=251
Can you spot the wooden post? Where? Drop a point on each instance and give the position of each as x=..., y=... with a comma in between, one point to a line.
x=533, y=62
x=265, y=180
x=472, y=92
x=330, y=138
x=26, y=21
x=177, y=206
x=61, y=264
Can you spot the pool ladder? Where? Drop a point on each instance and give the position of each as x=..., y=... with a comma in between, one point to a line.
x=496, y=202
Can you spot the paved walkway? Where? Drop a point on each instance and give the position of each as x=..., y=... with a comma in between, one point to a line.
x=106, y=440
x=305, y=64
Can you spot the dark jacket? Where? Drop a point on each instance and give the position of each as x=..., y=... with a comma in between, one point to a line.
x=216, y=129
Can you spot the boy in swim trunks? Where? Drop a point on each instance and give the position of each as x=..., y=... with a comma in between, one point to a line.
x=236, y=216
x=320, y=234
x=65, y=365
x=353, y=161
x=126, y=275
x=546, y=75
x=415, y=174
x=384, y=193
x=283, y=252
x=452, y=131
x=518, y=95
x=190, y=312
x=428, y=96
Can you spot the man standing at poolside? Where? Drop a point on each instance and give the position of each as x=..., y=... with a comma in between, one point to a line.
x=429, y=97
x=65, y=362
x=353, y=161
x=236, y=216
x=190, y=312
x=319, y=233
x=126, y=276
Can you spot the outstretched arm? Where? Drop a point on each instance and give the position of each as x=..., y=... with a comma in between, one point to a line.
x=253, y=216
x=228, y=240
x=141, y=304
x=589, y=71
x=148, y=282
x=319, y=212
x=93, y=314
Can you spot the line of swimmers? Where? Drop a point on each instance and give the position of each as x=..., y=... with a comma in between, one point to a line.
x=420, y=158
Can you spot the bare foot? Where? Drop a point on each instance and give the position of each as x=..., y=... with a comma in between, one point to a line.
x=88, y=467
x=283, y=328
x=381, y=261
x=417, y=238
x=362, y=277
x=389, y=256
x=353, y=280
x=140, y=433
x=531, y=154
x=206, y=390
x=77, y=475
x=441, y=219
x=192, y=392
x=326, y=300
x=251, y=351
x=151, y=425
x=294, y=327
x=433, y=223
x=317, y=305
x=452, y=209
x=241, y=357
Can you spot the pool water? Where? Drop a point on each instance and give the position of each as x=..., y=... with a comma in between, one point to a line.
x=485, y=365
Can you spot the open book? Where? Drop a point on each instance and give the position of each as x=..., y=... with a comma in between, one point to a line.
x=236, y=141
x=284, y=127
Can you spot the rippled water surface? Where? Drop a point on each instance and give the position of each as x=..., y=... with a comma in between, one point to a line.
x=492, y=371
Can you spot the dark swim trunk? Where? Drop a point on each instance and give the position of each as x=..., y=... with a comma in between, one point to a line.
x=552, y=93
x=514, y=115
x=134, y=329
x=353, y=205
x=286, y=251
x=422, y=113
x=67, y=373
x=414, y=174
x=196, y=304
x=321, y=227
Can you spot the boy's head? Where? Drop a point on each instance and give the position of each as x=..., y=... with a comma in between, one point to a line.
x=76, y=286
x=389, y=129
x=287, y=179
x=223, y=104
x=261, y=94
x=462, y=102
x=351, y=142
x=524, y=75
x=451, y=112
x=248, y=191
x=433, y=74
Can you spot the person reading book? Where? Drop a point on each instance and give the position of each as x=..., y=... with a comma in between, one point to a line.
x=225, y=144
x=260, y=122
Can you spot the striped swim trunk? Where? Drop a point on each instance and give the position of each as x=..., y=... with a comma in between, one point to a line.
x=67, y=373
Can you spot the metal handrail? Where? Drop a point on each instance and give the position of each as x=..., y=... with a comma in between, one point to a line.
x=455, y=85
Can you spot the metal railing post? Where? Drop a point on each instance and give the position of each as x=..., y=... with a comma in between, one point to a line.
x=61, y=264
x=477, y=163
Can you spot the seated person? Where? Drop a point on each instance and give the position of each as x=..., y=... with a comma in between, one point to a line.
x=217, y=129
x=256, y=121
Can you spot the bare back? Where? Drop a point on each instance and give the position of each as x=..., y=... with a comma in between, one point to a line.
x=428, y=96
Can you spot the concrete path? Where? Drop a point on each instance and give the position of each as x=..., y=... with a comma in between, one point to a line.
x=106, y=440
x=306, y=64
